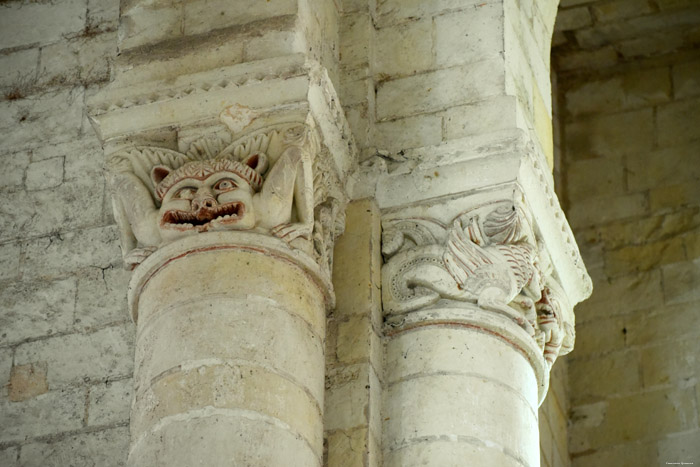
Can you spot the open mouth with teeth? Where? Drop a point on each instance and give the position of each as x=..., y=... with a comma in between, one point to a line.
x=203, y=219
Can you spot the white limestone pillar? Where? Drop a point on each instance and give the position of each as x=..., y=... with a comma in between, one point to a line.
x=231, y=244
x=229, y=354
x=474, y=319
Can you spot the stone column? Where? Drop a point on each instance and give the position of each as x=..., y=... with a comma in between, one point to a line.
x=231, y=243
x=474, y=321
x=229, y=354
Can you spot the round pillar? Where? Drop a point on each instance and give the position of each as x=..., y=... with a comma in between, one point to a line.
x=229, y=354
x=463, y=388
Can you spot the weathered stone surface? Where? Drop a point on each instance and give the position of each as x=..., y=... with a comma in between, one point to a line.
x=680, y=281
x=18, y=71
x=101, y=297
x=644, y=257
x=109, y=402
x=676, y=123
x=63, y=253
x=638, y=416
x=348, y=448
x=9, y=261
x=27, y=381
x=603, y=377
x=573, y=18
x=590, y=178
x=602, y=209
x=9, y=456
x=45, y=174
x=469, y=36
x=686, y=79
x=76, y=357
x=355, y=34
x=410, y=132
x=29, y=23
x=682, y=448
x=395, y=11
x=660, y=367
x=404, y=49
x=440, y=89
x=610, y=135
x=106, y=448
x=662, y=324
x=599, y=336
x=33, y=309
x=53, y=412
x=638, y=453
x=629, y=91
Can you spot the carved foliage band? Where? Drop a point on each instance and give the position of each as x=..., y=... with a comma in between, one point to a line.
x=487, y=256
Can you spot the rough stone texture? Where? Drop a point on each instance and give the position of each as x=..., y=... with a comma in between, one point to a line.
x=630, y=129
x=55, y=233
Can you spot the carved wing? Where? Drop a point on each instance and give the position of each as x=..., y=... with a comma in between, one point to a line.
x=463, y=257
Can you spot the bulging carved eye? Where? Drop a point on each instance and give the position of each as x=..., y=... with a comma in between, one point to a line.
x=225, y=184
x=187, y=192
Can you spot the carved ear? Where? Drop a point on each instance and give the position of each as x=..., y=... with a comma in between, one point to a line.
x=257, y=162
x=158, y=173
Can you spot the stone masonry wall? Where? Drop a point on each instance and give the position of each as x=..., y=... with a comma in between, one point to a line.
x=66, y=340
x=632, y=172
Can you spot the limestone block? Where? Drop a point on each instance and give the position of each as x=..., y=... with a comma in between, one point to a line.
x=62, y=254
x=355, y=338
x=54, y=116
x=9, y=261
x=630, y=91
x=214, y=440
x=18, y=71
x=396, y=11
x=231, y=388
x=469, y=36
x=599, y=336
x=644, y=257
x=9, y=456
x=27, y=381
x=14, y=164
x=33, y=309
x=347, y=448
x=355, y=34
x=652, y=44
x=73, y=358
x=225, y=333
x=410, y=132
x=676, y=124
x=107, y=448
x=621, y=295
x=692, y=245
x=607, y=11
x=82, y=158
x=590, y=178
x=102, y=15
x=638, y=416
x=666, y=324
x=29, y=23
x=355, y=88
x=109, y=402
x=669, y=197
x=610, y=135
x=496, y=113
x=101, y=297
x=660, y=367
x=58, y=65
x=634, y=453
x=44, y=174
x=586, y=59
x=422, y=410
x=572, y=18
x=680, y=447
x=437, y=453
x=605, y=376
x=347, y=399
x=202, y=16
x=546, y=446
x=270, y=44
x=602, y=209
x=646, y=230
x=441, y=350
x=150, y=23
x=440, y=89
x=686, y=79
x=404, y=49
x=680, y=281
x=53, y=412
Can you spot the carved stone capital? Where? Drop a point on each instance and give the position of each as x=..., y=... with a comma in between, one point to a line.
x=486, y=258
x=277, y=180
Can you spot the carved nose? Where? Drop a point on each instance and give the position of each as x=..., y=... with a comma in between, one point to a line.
x=200, y=203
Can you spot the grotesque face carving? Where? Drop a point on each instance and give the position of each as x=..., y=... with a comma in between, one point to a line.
x=206, y=196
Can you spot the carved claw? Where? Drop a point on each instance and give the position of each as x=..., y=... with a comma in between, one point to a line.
x=137, y=256
x=289, y=232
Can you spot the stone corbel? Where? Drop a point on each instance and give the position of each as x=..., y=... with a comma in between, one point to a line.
x=486, y=258
x=276, y=181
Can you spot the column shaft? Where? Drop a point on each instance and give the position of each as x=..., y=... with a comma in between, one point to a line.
x=229, y=359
